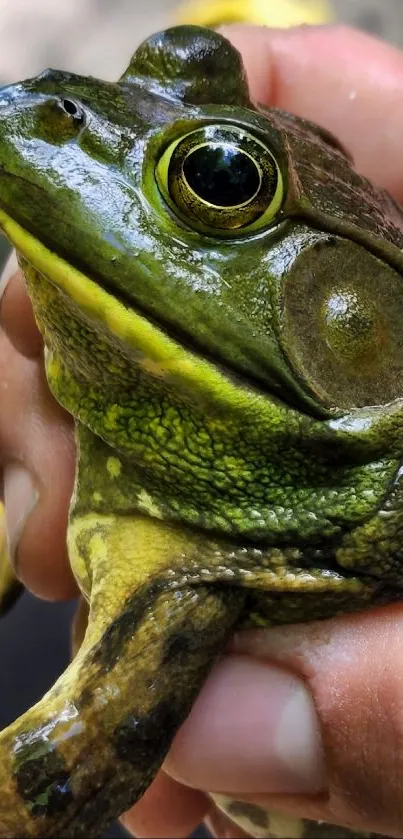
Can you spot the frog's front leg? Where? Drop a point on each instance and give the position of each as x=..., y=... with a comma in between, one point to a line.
x=91, y=747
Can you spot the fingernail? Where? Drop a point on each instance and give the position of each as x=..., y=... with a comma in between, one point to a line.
x=254, y=729
x=9, y=269
x=20, y=498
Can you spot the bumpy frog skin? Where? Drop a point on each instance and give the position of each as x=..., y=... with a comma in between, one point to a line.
x=220, y=295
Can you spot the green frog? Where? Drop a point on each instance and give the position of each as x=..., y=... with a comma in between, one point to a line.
x=219, y=294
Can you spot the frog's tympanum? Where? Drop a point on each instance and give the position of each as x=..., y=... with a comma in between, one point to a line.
x=220, y=296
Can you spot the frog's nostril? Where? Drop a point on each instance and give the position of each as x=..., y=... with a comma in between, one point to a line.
x=70, y=107
x=73, y=110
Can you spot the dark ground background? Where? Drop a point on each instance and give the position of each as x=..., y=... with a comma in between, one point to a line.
x=34, y=637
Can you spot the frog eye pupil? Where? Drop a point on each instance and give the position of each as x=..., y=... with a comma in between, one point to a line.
x=222, y=175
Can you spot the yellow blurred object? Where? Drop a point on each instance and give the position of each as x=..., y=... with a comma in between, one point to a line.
x=5, y=568
x=281, y=13
x=10, y=588
x=2, y=533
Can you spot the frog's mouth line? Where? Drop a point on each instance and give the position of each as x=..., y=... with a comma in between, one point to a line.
x=284, y=391
x=167, y=355
x=169, y=352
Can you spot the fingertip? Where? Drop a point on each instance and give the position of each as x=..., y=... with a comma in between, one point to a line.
x=351, y=666
x=167, y=810
x=252, y=729
x=280, y=63
x=41, y=555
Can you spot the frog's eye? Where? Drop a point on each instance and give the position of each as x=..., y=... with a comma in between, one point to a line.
x=220, y=179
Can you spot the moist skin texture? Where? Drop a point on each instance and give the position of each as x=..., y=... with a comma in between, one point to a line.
x=219, y=294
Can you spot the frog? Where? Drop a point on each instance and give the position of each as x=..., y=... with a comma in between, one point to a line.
x=218, y=292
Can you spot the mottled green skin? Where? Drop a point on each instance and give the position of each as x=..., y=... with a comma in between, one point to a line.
x=238, y=399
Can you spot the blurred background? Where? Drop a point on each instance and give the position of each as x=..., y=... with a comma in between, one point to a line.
x=98, y=37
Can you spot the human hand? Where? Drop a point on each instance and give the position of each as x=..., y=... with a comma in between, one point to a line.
x=307, y=719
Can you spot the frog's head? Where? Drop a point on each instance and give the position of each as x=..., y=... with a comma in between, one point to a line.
x=220, y=294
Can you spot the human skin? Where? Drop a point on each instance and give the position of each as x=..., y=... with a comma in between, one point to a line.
x=308, y=719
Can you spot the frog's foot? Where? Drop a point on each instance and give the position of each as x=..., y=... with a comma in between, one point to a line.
x=92, y=746
x=10, y=587
x=259, y=823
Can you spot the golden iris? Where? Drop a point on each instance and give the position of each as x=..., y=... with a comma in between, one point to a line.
x=221, y=178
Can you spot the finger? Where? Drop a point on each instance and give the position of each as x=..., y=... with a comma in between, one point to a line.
x=166, y=810
x=345, y=80
x=348, y=669
x=16, y=315
x=256, y=729
x=37, y=455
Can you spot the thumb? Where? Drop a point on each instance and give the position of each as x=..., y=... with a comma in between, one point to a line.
x=307, y=720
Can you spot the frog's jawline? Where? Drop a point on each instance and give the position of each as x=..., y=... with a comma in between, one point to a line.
x=235, y=375
x=26, y=243
x=28, y=246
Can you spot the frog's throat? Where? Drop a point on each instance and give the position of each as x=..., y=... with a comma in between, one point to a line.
x=162, y=352
x=89, y=749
